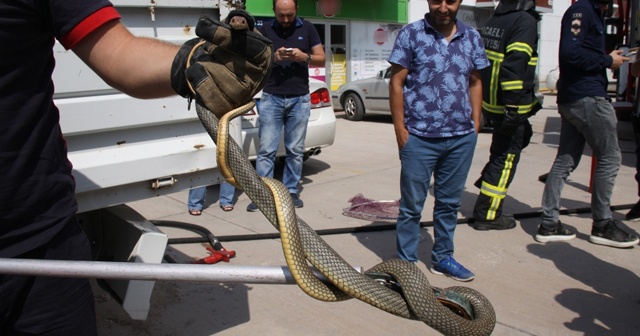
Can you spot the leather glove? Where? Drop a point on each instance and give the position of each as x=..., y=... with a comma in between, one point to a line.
x=511, y=120
x=226, y=66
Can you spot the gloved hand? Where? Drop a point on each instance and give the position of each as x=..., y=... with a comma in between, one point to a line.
x=511, y=120
x=226, y=66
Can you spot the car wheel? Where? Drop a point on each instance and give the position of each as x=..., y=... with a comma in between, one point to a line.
x=353, y=107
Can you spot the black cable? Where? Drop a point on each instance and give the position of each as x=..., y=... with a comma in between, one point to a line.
x=207, y=236
x=210, y=238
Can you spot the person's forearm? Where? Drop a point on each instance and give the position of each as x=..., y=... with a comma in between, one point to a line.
x=148, y=74
x=137, y=66
x=475, y=97
x=396, y=105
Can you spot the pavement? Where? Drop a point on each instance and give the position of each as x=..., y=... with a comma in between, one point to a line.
x=560, y=288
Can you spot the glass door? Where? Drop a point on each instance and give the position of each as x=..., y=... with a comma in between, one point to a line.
x=333, y=35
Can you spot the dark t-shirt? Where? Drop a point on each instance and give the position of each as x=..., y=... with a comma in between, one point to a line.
x=288, y=77
x=36, y=186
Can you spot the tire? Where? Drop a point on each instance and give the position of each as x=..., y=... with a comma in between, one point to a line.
x=353, y=107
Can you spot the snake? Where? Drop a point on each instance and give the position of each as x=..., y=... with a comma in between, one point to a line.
x=408, y=294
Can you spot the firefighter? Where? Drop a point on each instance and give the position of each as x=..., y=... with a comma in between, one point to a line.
x=508, y=87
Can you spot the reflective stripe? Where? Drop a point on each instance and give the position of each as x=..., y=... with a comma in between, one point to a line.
x=520, y=46
x=494, y=56
x=493, y=85
x=492, y=191
x=499, y=109
x=512, y=85
x=499, y=192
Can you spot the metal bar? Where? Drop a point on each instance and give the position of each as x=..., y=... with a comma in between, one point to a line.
x=139, y=271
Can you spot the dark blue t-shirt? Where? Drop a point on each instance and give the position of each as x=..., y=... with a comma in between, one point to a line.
x=288, y=77
x=36, y=187
x=583, y=60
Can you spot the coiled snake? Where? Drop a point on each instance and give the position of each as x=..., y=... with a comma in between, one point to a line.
x=415, y=300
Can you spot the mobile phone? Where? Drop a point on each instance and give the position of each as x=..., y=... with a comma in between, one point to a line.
x=289, y=50
x=632, y=55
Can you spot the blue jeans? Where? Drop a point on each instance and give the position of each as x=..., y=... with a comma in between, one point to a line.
x=197, y=195
x=591, y=120
x=278, y=112
x=449, y=160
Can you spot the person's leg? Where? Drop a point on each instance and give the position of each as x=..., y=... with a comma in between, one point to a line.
x=599, y=127
x=196, y=198
x=497, y=177
x=295, y=131
x=567, y=159
x=227, y=191
x=450, y=176
x=418, y=156
x=270, y=119
x=51, y=305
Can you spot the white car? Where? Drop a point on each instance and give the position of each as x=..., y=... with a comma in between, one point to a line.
x=321, y=130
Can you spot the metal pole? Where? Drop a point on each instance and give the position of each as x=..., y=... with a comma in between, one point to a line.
x=139, y=271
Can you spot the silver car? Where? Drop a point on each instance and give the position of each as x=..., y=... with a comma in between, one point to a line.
x=369, y=95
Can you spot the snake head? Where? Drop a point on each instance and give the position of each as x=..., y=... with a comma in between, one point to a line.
x=240, y=20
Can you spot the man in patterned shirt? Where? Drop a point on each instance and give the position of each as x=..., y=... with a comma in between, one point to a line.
x=435, y=97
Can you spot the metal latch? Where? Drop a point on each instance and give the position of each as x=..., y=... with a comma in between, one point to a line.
x=152, y=10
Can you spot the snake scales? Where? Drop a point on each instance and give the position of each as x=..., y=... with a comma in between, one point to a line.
x=301, y=244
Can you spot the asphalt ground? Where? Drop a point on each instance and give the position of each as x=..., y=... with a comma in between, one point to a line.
x=561, y=288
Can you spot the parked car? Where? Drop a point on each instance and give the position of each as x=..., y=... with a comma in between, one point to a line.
x=371, y=95
x=321, y=129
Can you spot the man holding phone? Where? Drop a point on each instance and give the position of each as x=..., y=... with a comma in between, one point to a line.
x=587, y=118
x=285, y=101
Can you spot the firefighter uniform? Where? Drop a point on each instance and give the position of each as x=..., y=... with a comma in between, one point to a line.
x=510, y=39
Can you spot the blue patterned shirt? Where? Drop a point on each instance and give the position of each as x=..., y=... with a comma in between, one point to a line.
x=436, y=90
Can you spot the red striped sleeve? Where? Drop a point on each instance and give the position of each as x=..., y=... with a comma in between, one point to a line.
x=88, y=25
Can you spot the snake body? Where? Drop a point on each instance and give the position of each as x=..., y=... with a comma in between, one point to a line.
x=301, y=245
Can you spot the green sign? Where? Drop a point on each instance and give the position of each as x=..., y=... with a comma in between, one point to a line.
x=364, y=10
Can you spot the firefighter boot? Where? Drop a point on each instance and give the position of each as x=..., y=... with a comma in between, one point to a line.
x=504, y=222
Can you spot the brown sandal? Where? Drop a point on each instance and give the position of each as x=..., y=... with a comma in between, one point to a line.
x=195, y=212
x=226, y=208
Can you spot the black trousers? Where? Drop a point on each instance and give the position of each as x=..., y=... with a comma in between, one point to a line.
x=499, y=172
x=47, y=305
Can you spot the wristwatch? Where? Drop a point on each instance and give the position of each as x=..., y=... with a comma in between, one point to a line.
x=308, y=60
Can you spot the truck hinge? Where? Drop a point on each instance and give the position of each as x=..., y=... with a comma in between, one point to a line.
x=163, y=182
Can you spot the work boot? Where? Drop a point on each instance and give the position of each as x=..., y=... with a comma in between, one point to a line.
x=503, y=222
